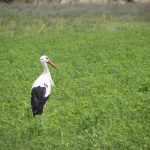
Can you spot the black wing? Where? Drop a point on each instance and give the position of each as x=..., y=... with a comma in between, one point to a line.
x=38, y=100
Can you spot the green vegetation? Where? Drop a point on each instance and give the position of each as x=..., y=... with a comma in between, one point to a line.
x=101, y=99
x=65, y=1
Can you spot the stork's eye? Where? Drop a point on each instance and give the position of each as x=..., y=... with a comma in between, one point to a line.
x=46, y=57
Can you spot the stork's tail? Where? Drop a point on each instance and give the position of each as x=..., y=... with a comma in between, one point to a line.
x=38, y=100
x=37, y=106
x=34, y=105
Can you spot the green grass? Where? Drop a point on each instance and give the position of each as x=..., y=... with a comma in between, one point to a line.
x=101, y=99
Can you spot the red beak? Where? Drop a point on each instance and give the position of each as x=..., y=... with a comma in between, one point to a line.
x=52, y=64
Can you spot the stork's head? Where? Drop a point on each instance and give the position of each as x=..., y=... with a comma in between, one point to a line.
x=44, y=59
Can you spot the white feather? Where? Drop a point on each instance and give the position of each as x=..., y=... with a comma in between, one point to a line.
x=44, y=80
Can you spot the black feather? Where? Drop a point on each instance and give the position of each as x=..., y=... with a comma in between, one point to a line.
x=38, y=100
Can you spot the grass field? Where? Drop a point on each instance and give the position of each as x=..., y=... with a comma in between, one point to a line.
x=101, y=99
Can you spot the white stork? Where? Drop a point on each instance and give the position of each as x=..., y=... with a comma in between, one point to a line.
x=41, y=88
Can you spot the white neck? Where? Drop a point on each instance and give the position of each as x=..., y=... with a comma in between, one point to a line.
x=46, y=70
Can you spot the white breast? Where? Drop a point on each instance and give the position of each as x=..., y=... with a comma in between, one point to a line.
x=44, y=80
